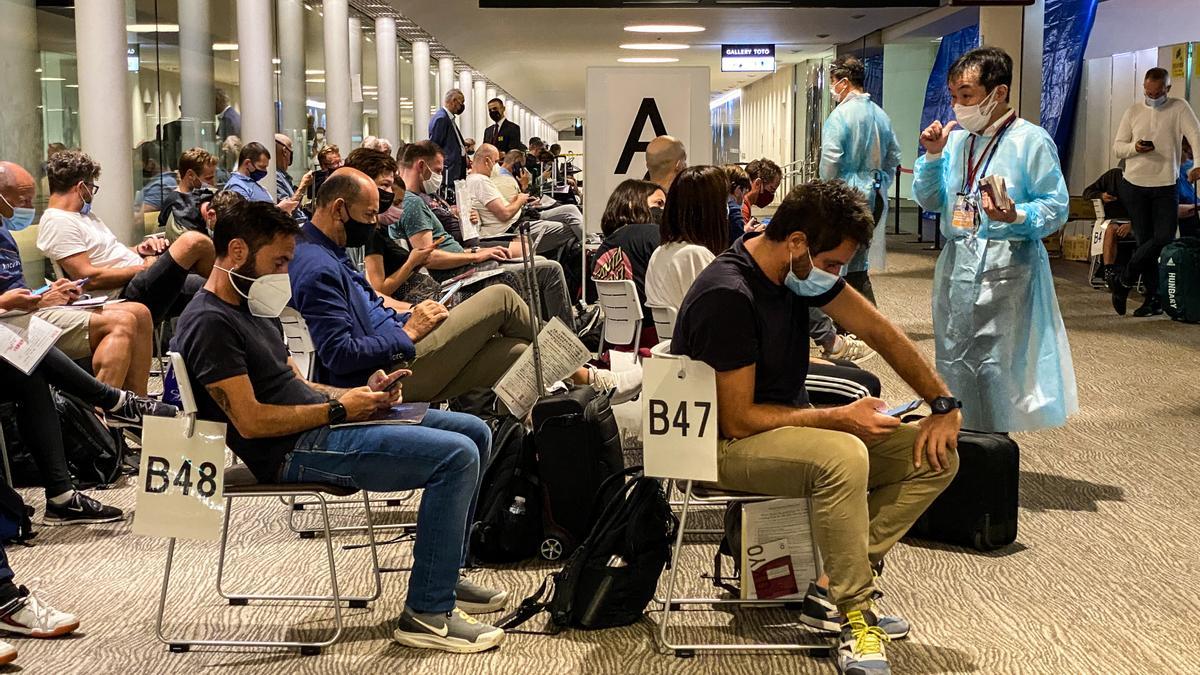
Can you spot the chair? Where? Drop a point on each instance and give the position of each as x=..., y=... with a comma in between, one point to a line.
x=664, y=321
x=239, y=483
x=298, y=340
x=705, y=494
x=622, y=314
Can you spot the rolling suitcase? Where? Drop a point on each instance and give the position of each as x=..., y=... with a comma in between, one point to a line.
x=1179, y=279
x=979, y=508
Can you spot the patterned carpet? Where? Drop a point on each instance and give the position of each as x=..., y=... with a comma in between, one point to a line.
x=1102, y=580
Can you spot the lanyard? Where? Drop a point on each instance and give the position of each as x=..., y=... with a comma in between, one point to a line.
x=970, y=169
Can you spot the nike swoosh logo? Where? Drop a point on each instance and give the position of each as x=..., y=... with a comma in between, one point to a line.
x=440, y=632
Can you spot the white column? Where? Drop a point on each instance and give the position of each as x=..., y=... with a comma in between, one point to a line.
x=420, y=50
x=196, y=75
x=445, y=79
x=356, y=93
x=466, y=121
x=254, y=71
x=514, y=113
x=21, y=134
x=478, y=110
x=105, y=121
x=389, y=87
x=291, y=76
x=337, y=75
x=1003, y=27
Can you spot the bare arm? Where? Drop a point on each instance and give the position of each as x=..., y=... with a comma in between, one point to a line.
x=383, y=284
x=333, y=393
x=235, y=396
x=446, y=260
x=739, y=416
x=505, y=211
x=79, y=266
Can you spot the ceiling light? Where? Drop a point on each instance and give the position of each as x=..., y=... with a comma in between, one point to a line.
x=648, y=59
x=152, y=28
x=225, y=46
x=72, y=86
x=276, y=61
x=316, y=80
x=54, y=79
x=662, y=46
x=664, y=28
x=314, y=72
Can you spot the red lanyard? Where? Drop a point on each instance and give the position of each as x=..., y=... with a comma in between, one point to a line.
x=971, y=168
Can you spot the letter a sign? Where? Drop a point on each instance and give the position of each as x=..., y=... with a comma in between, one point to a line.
x=648, y=112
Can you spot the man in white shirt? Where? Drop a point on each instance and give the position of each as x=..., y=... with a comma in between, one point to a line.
x=153, y=273
x=1150, y=141
x=497, y=215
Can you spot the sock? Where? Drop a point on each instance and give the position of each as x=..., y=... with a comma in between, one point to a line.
x=120, y=400
x=61, y=499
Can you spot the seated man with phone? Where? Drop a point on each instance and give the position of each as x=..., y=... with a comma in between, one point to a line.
x=869, y=476
x=287, y=429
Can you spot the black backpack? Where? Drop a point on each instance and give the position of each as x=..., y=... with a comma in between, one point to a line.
x=508, y=517
x=612, y=575
x=16, y=517
x=578, y=448
x=95, y=453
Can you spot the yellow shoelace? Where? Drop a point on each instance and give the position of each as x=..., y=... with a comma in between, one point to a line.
x=868, y=639
x=464, y=616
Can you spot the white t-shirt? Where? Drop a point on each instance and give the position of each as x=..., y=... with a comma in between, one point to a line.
x=62, y=234
x=672, y=269
x=483, y=192
x=1165, y=127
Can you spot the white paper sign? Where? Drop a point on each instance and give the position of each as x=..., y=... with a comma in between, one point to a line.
x=679, y=419
x=181, y=480
x=772, y=520
x=562, y=353
x=25, y=339
x=462, y=197
x=356, y=91
x=1098, y=236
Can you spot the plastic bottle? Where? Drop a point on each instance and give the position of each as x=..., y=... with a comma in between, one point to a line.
x=518, y=507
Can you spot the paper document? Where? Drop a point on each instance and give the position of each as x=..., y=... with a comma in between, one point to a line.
x=473, y=277
x=24, y=341
x=771, y=521
x=562, y=353
x=401, y=413
x=462, y=197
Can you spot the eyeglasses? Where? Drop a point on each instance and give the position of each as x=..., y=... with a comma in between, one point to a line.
x=93, y=188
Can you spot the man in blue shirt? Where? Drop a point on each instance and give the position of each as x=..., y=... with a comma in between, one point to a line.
x=356, y=331
x=1189, y=220
x=253, y=161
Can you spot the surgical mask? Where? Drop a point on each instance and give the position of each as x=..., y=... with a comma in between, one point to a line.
x=764, y=199
x=656, y=214
x=258, y=174
x=1156, y=102
x=975, y=118
x=385, y=200
x=818, y=282
x=358, y=233
x=432, y=184
x=21, y=217
x=839, y=97
x=267, y=295
x=495, y=115
x=87, y=203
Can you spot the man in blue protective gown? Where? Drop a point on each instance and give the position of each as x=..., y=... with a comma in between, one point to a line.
x=859, y=147
x=1001, y=344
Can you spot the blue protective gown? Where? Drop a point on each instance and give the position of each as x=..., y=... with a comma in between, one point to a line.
x=859, y=147
x=1001, y=344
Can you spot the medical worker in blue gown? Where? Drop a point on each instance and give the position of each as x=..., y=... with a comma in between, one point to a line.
x=1001, y=344
x=858, y=146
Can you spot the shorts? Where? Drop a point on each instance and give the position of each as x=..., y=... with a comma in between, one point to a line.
x=163, y=287
x=75, y=340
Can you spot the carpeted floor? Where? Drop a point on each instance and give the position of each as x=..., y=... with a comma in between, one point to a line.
x=1102, y=580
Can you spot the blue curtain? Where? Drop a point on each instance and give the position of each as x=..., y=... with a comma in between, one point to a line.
x=873, y=83
x=937, y=96
x=1068, y=25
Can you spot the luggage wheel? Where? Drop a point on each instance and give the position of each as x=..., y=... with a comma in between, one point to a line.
x=551, y=549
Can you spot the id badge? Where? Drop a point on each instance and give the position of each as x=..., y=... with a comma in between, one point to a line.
x=965, y=213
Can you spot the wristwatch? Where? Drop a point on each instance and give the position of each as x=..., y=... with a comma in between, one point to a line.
x=337, y=412
x=944, y=404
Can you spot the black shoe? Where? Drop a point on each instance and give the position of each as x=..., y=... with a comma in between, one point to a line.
x=81, y=510
x=1120, y=292
x=1150, y=307
x=131, y=412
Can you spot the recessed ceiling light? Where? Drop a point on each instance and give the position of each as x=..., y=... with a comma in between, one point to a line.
x=662, y=46
x=664, y=28
x=276, y=61
x=152, y=28
x=316, y=80
x=314, y=72
x=225, y=46
x=648, y=59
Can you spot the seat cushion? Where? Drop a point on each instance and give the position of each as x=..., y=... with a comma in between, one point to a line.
x=240, y=481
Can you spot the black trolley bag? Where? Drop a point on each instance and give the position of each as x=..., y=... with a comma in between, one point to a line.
x=1179, y=279
x=979, y=508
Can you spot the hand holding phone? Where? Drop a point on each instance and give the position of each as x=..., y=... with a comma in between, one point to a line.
x=381, y=381
x=450, y=292
x=901, y=410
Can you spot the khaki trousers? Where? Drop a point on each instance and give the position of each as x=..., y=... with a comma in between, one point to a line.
x=863, y=498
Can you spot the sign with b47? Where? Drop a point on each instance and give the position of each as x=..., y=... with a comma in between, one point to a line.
x=180, y=480
x=679, y=419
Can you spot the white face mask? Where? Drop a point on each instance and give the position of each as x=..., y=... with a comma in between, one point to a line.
x=975, y=118
x=268, y=294
x=818, y=282
x=1156, y=102
x=432, y=184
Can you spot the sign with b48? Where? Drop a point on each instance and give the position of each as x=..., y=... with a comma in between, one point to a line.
x=180, y=480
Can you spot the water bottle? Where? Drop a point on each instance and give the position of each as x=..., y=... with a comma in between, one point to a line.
x=518, y=507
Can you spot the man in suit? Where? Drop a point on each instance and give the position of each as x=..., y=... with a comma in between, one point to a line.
x=444, y=131
x=229, y=122
x=503, y=134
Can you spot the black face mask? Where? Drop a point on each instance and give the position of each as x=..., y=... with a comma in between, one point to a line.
x=385, y=200
x=495, y=115
x=656, y=215
x=358, y=233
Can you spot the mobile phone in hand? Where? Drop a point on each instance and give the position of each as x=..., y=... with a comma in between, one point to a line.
x=395, y=383
x=903, y=409
x=450, y=292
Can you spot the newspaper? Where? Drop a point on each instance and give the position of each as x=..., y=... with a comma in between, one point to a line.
x=770, y=521
x=462, y=197
x=562, y=353
x=25, y=339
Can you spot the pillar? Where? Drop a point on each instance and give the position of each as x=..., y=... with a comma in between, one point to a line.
x=478, y=110
x=196, y=76
x=389, y=82
x=255, y=73
x=290, y=14
x=1018, y=31
x=338, y=127
x=466, y=121
x=21, y=134
x=420, y=62
x=445, y=79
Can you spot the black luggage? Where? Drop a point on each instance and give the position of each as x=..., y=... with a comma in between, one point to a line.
x=1179, y=279
x=508, y=518
x=578, y=449
x=979, y=508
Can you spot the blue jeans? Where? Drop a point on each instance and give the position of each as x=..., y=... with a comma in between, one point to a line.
x=445, y=455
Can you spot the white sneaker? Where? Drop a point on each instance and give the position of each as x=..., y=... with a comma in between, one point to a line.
x=849, y=348
x=28, y=615
x=8, y=653
x=625, y=384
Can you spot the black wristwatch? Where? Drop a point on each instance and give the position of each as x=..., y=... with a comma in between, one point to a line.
x=944, y=404
x=337, y=412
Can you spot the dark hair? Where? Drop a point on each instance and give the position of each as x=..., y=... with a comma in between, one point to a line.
x=420, y=151
x=536, y=141
x=827, y=211
x=68, y=168
x=555, y=148
x=698, y=209
x=256, y=223
x=374, y=163
x=627, y=206
x=994, y=64
x=223, y=200
x=738, y=178
x=253, y=152
x=338, y=186
x=324, y=154
x=1158, y=75
x=848, y=67
x=496, y=100
x=763, y=169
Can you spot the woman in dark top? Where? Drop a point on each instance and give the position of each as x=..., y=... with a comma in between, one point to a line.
x=630, y=236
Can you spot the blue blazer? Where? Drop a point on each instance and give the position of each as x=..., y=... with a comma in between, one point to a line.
x=444, y=132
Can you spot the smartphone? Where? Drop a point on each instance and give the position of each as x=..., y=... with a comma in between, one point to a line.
x=450, y=292
x=1149, y=144
x=41, y=290
x=395, y=384
x=904, y=409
